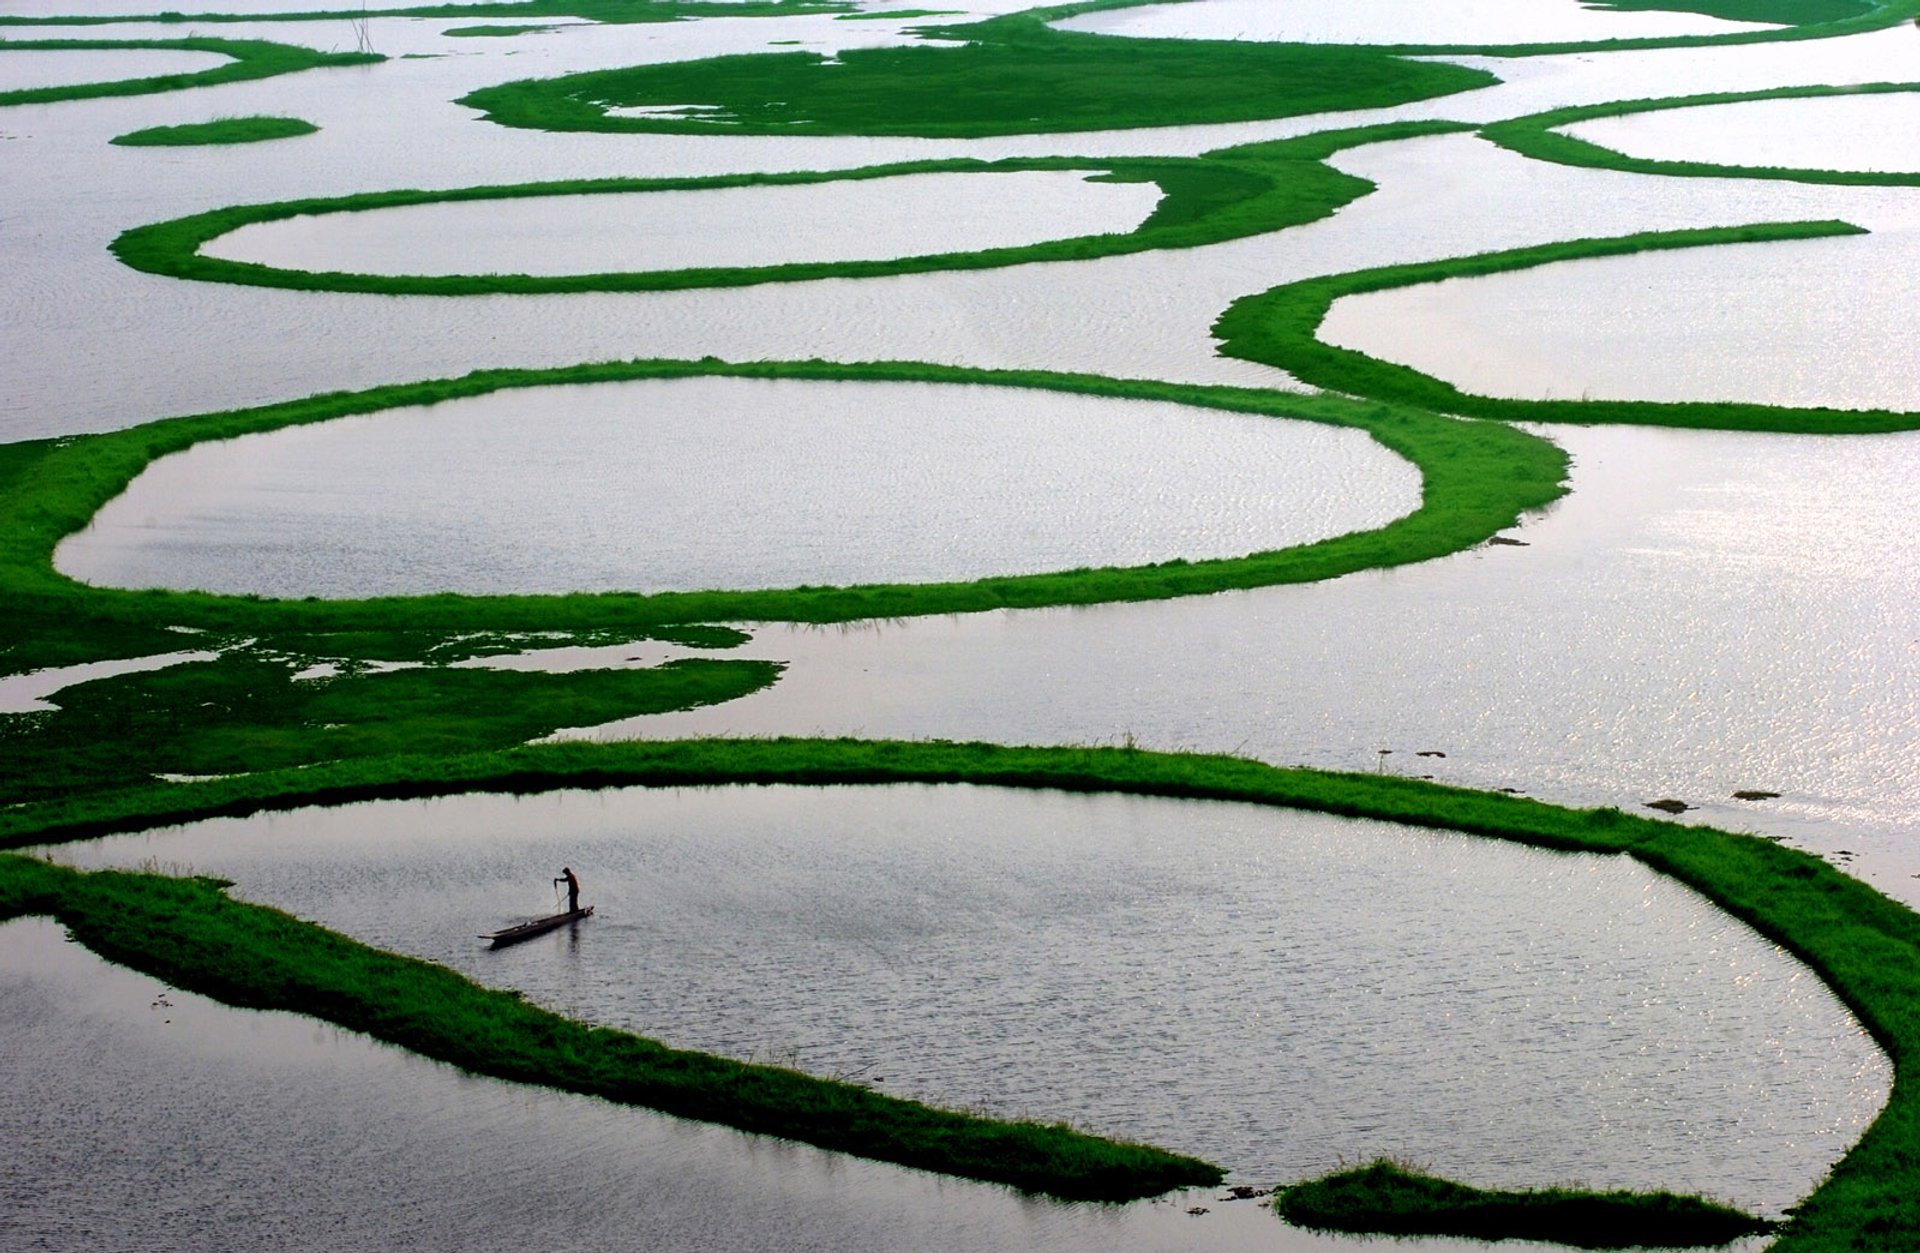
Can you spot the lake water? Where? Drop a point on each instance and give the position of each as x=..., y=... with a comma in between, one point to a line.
x=867, y=219
x=1879, y=132
x=1395, y=22
x=700, y=483
x=55, y=67
x=1278, y=992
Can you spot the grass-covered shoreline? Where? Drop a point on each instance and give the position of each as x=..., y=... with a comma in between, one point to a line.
x=222, y=130
x=251, y=58
x=1865, y=946
x=1228, y=194
x=1279, y=327
x=1477, y=480
x=607, y=12
x=1384, y=1198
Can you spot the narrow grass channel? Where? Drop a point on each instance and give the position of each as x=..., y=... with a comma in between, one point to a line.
x=1279, y=327
x=1229, y=194
x=1865, y=946
x=251, y=58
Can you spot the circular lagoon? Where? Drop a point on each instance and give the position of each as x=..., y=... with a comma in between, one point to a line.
x=701, y=483
x=867, y=219
x=1276, y=991
x=1489, y=22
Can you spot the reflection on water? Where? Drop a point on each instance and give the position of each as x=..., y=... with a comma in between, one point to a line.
x=1730, y=322
x=1275, y=991
x=698, y=483
x=865, y=219
x=21, y=69
x=1395, y=22
x=1879, y=132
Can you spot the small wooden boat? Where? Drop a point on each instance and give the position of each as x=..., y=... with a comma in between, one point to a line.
x=537, y=926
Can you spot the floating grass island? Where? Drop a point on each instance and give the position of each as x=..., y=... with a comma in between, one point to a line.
x=225, y=130
x=1229, y=194
x=1279, y=327
x=187, y=931
x=251, y=58
x=1384, y=1198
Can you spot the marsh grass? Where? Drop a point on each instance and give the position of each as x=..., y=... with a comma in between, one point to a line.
x=224, y=130
x=251, y=58
x=607, y=12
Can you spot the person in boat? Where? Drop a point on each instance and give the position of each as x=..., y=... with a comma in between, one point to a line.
x=573, y=888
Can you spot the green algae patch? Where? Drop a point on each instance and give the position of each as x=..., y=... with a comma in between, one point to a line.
x=1279, y=327
x=1228, y=194
x=1383, y=1198
x=1539, y=136
x=1478, y=479
x=1865, y=946
x=1011, y=75
x=250, y=58
x=191, y=934
x=225, y=130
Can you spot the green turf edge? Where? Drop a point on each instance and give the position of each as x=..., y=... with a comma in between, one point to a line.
x=224, y=130
x=1279, y=327
x=1865, y=946
x=603, y=12
x=1537, y=135
x=189, y=933
x=252, y=58
x=1224, y=195
x=1477, y=479
x=1386, y=1198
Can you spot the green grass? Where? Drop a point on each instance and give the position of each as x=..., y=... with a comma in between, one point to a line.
x=1279, y=327
x=883, y=15
x=1229, y=194
x=252, y=58
x=1806, y=19
x=1383, y=1198
x=1538, y=135
x=1013, y=75
x=1779, y=12
x=495, y=32
x=189, y=933
x=1866, y=947
x=1477, y=479
x=610, y=12
x=225, y=130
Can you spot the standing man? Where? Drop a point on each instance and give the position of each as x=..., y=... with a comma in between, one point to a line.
x=573, y=888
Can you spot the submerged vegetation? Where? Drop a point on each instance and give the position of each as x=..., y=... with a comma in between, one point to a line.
x=1865, y=946
x=1228, y=194
x=1012, y=75
x=1383, y=1198
x=1279, y=327
x=224, y=130
x=251, y=58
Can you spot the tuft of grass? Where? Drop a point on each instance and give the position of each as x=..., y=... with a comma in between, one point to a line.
x=1223, y=195
x=224, y=130
x=1385, y=1198
x=1279, y=327
x=251, y=58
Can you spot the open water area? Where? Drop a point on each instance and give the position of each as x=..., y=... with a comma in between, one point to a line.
x=1704, y=613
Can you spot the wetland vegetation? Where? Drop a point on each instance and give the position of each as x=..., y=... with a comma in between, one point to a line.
x=250, y=58
x=224, y=130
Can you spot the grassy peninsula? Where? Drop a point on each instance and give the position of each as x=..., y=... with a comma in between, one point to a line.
x=224, y=130
x=1228, y=194
x=1279, y=327
x=1383, y=1198
x=251, y=58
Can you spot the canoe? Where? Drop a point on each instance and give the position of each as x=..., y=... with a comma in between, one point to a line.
x=538, y=926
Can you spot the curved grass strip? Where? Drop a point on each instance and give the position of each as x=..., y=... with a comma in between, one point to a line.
x=1383, y=1198
x=252, y=58
x=1538, y=135
x=1478, y=479
x=1865, y=946
x=224, y=130
x=191, y=934
x=1279, y=327
x=1010, y=76
x=1229, y=194
x=606, y=12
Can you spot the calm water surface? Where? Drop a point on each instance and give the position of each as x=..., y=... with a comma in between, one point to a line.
x=868, y=219
x=1275, y=991
x=1877, y=132
x=53, y=67
x=1395, y=22
x=699, y=483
